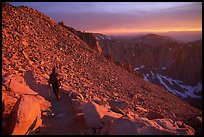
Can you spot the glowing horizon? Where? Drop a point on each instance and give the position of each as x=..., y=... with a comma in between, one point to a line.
x=131, y=31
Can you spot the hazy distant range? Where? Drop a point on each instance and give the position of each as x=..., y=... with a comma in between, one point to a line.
x=183, y=36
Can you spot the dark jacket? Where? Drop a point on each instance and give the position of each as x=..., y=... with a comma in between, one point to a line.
x=54, y=80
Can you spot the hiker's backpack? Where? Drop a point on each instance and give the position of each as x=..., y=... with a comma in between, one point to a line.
x=53, y=80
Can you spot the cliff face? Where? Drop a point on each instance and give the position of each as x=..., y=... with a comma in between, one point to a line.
x=32, y=44
x=161, y=60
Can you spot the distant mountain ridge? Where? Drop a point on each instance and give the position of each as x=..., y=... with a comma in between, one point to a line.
x=153, y=54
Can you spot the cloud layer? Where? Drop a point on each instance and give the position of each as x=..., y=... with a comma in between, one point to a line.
x=123, y=17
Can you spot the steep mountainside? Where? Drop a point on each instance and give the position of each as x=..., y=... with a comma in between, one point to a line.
x=161, y=60
x=32, y=43
x=88, y=38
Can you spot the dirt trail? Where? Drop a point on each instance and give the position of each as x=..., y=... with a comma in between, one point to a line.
x=61, y=121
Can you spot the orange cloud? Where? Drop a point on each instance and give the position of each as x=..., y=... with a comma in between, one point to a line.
x=131, y=30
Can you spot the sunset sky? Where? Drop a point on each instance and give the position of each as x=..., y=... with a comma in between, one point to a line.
x=115, y=18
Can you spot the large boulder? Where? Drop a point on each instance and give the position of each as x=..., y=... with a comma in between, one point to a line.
x=198, y=121
x=77, y=105
x=99, y=101
x=25, y=116
x=92, y=115
x=162, y=127
x=154, y=115
x=110, y=117
x=45, y=105
x=96, y=115
x=117, y=110
x=9, y=102
x=123, y=127
x=195, y=122
x=75, y=95
x=150, y=130
x=122, y=105
x=15, y=86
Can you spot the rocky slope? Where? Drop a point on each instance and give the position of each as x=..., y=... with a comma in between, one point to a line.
x=161, y=60
x=32, y=43
x=88, y=38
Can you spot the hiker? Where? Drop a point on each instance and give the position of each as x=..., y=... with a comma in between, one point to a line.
x=55, y=83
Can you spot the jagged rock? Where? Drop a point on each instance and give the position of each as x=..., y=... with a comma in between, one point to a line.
x=9, y=102
x=163, y=126
x=75, y=95
x=198, y=121
x=3, y=95
x=18, y=87
x=166, y=123
x=123, y=127
x=44, y=104
x=79, y=118
x=140, y=109
x=77, y=105
x=153, y=131
x=187, y=130
x=117, y=110
x=180, y=124
x=25, y=115
x=105, y=129
x=119, y=104
x=99, y=101
x=154, y=115
x=91, y=115
x=110, y=117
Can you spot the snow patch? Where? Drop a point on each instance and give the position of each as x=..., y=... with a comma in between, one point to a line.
x=142, y=66
x=97, y=38
x=135, y=69
x=102, y=37
x=145, y=77
x=190, y=90
x=152, y=74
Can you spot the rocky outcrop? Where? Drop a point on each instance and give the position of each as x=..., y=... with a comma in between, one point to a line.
x=88, y=38
x=13, y=84
x=23, y=106
x=101, y=120
x=91, y=116
x=25, y=116
x=154, y=115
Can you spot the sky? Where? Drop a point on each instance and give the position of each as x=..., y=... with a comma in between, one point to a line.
x=116, y=18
